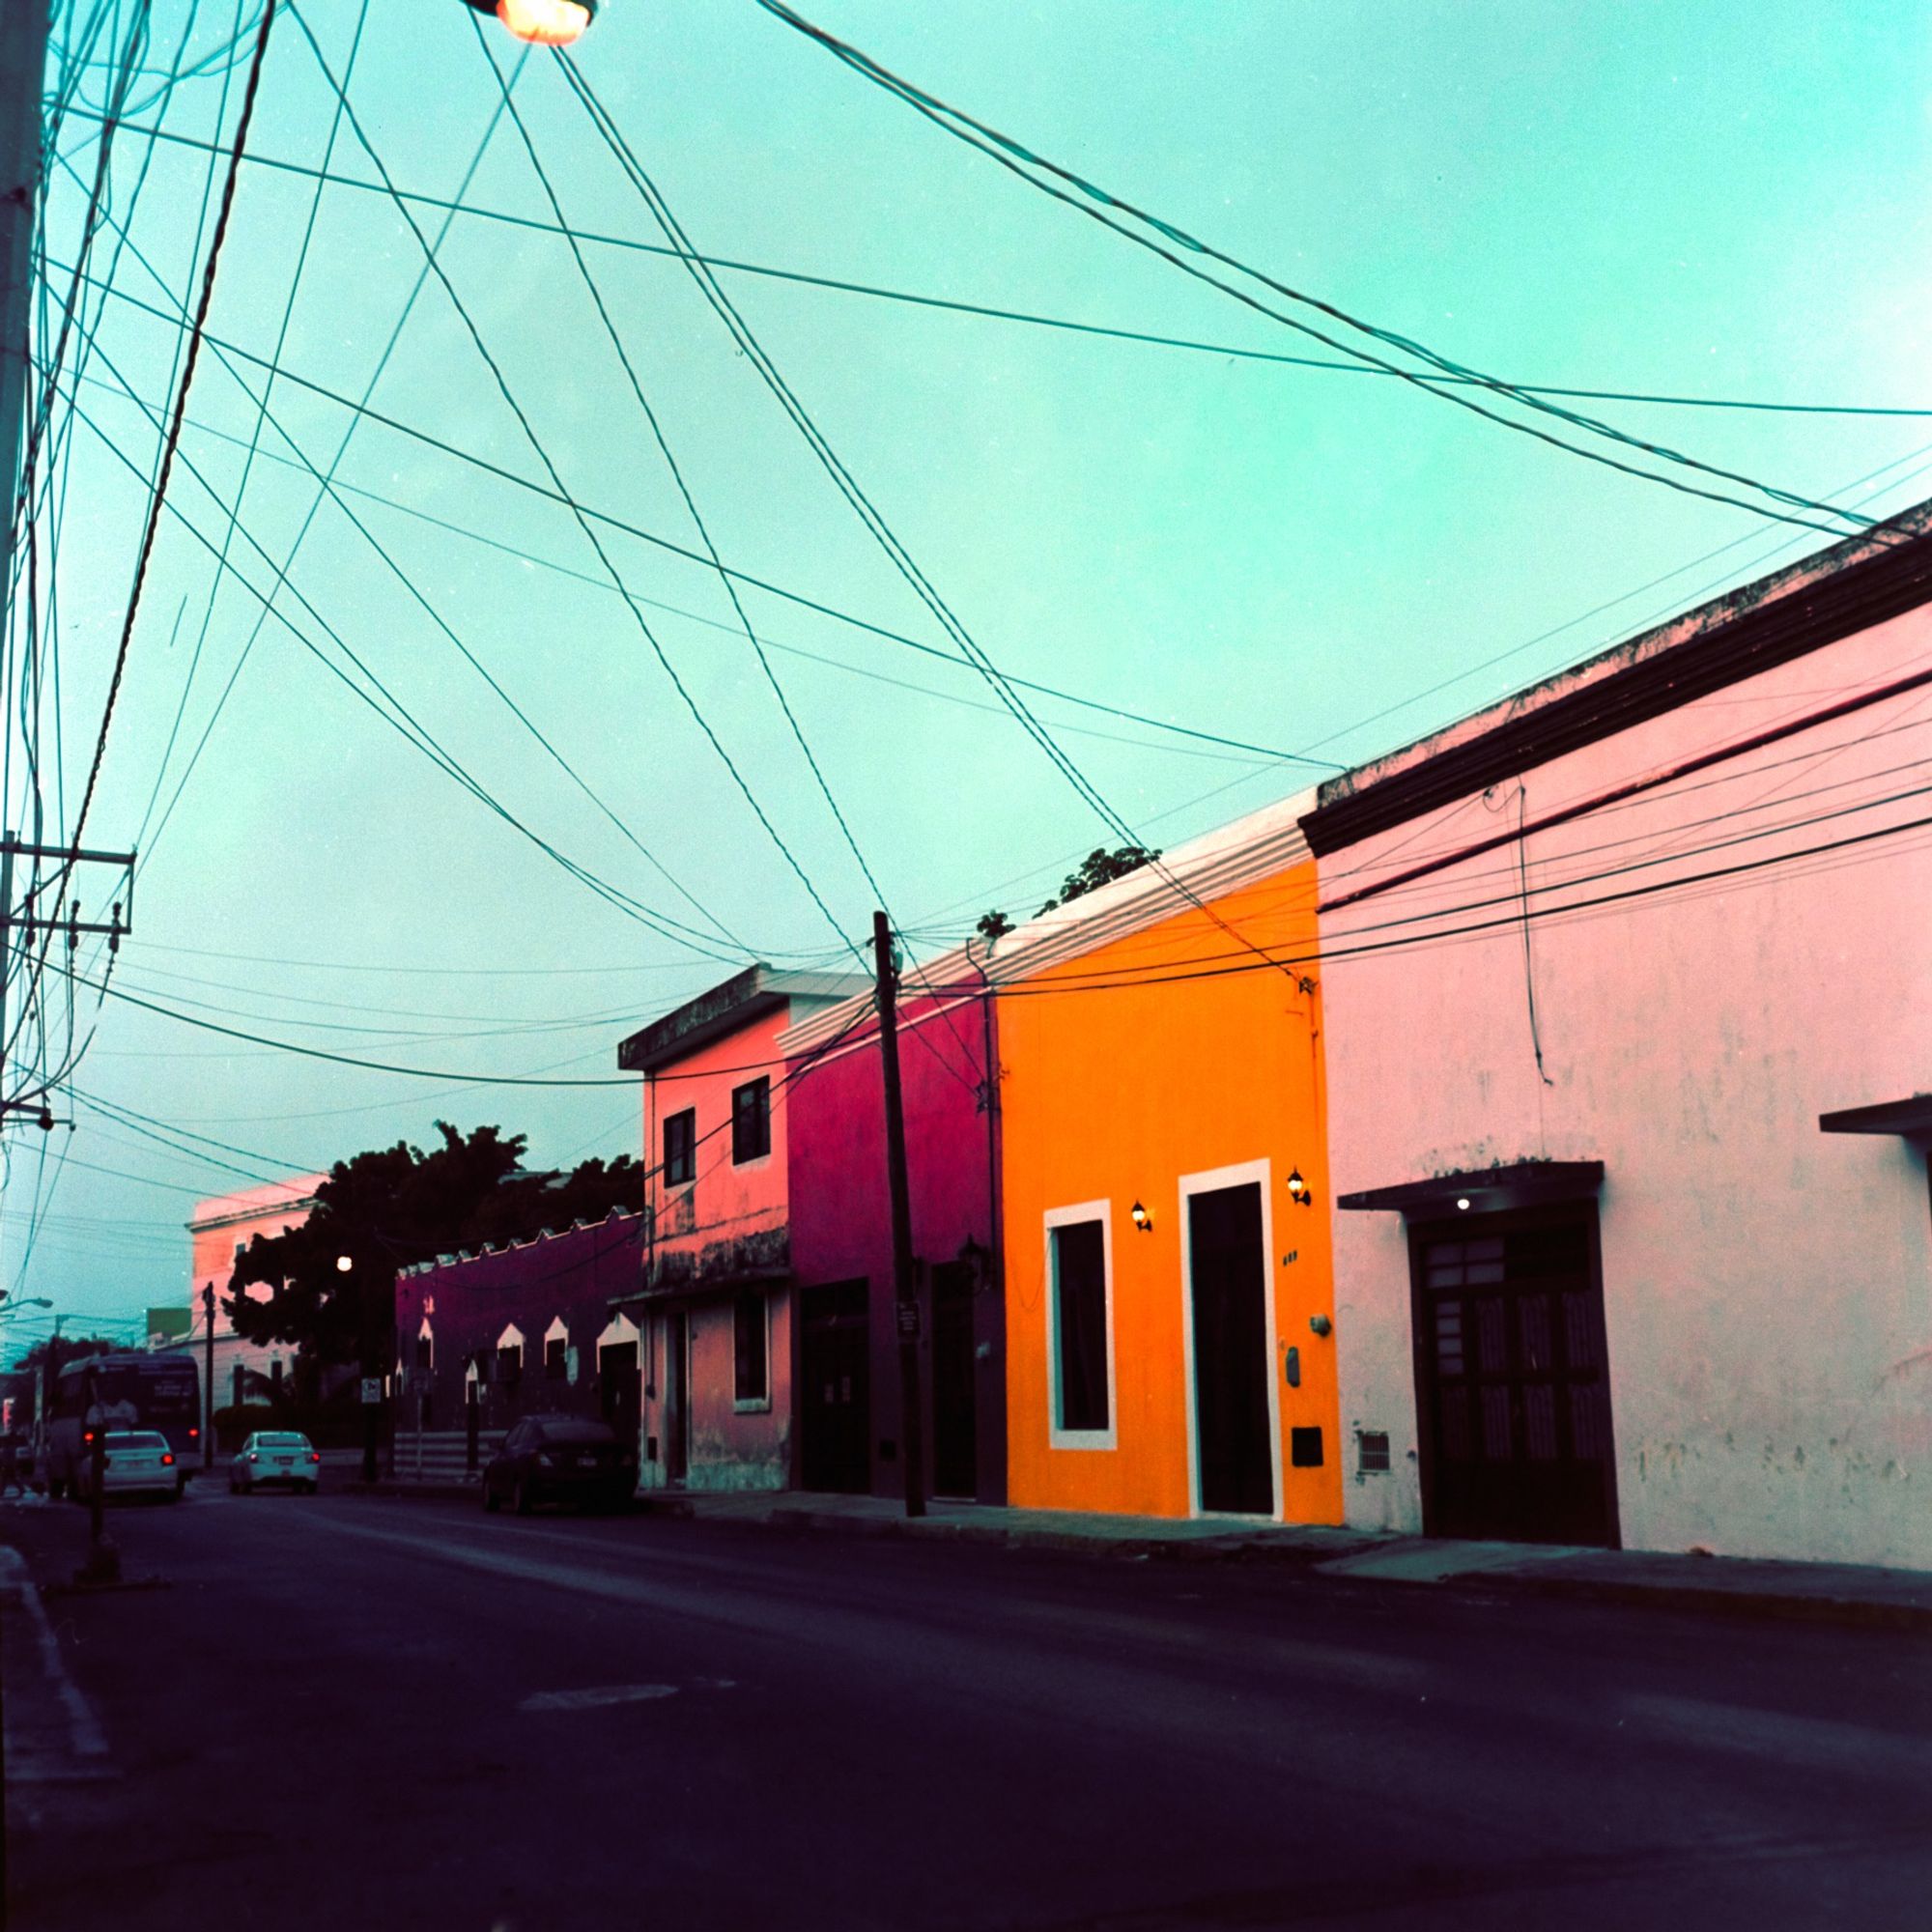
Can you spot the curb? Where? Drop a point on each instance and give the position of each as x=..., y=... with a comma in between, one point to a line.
x=1765, y=1605
x=1239, y=1548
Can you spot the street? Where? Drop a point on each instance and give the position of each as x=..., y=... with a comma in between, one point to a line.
x=356, y=1711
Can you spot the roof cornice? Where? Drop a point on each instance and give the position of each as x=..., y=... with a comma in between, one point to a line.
x=1827, y=597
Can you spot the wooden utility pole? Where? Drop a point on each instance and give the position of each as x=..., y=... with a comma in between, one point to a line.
x=208, y=1355
x=24, y=66
x=905, y=1286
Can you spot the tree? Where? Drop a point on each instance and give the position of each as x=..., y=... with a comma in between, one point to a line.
x=389, y=1208
x=65, y=1349
x=1100, y=868
x=992, y=925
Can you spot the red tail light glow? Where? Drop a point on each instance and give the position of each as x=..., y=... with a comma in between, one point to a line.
x=192, y=1433
x=253, y=1456
x=167, y=1460
x=313, y=1457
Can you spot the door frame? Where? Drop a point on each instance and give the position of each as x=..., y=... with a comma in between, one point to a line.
x=1584, y=1209
x=677, y=1395
x=1210, y=1181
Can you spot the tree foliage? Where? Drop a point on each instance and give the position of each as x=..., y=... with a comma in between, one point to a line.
x=390, y=1209
x=1100, y=867
x=66, y=1349
x=992, y=925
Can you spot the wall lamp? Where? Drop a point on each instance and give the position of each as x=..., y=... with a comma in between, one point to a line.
x=1142, y=1218
x=545, y=23
x=1299, y=1190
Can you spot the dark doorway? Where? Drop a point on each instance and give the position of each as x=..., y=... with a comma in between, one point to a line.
x=621, y=1386
x=1512, y=1379
x=956, y=1434
x=1228, y=1272
x=835, y=1407
x=677, y=1396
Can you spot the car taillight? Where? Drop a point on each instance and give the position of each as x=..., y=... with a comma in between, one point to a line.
x=192, y=1433
x=253, y=1456
x=313, y=1457
x=89, y=1436
x=167, y=1459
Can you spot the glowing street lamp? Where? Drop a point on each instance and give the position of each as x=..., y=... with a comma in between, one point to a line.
x=545, y=23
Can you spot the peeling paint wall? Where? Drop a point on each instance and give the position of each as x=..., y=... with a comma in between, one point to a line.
x=1768, y=1288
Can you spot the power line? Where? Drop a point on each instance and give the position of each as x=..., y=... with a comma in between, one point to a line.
x=556, y=481
x=1019, y=161
x=1222, y=351
x=627, y=528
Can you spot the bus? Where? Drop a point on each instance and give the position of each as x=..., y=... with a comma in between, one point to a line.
x=160, y=1390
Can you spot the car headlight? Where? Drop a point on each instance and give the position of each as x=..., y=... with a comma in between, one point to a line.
x=545, y=1460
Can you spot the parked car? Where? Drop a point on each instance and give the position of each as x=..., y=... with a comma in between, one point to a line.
x=275, y=1456
x=560, y=1459
x=135, y=1462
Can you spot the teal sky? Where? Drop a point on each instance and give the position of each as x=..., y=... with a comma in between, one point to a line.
x=1704, y=200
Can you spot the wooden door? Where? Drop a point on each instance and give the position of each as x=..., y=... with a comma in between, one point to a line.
x=1513, y=1380
x=835, y=1409
x=677, y=1396
x=955, y=1433
x=1228, y=1275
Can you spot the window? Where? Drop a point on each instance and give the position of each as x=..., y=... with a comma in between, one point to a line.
x=1079, y=1328
x=680, y=1147
x=509, y=1364
x=557, y=1359
x=748, y=1335
x=751, y=1120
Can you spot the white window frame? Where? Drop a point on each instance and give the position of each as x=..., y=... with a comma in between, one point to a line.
x=1209, y=1182
x=1058, y=1437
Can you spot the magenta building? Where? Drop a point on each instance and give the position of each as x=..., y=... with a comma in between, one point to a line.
x=1627, y=986
x=850, y=1429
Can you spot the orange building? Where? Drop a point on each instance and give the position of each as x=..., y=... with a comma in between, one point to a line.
x=1170, y=1298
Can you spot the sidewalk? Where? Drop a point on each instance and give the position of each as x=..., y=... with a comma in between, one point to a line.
x=1838, y=1593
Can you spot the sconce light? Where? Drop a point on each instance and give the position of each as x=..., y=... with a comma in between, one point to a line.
x=1299, y=1190
x=1141, y=1218
x=1461, y=1203
x=343, y=1263
x=1320, y=1325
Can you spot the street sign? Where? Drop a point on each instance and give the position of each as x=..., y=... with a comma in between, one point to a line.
x=372, y=1390
x=908, y=1321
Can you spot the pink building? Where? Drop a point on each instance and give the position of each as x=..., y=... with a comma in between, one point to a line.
x=851, y=1431
x=220, y=1227
x=1627, y=985
x=714, y=1307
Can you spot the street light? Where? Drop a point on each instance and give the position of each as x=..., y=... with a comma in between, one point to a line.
x=545, y=23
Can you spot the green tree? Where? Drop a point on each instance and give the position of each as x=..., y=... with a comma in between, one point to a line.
x=389, y=1208
x=992, y=925
x=1100, y=868
x=65, y=1349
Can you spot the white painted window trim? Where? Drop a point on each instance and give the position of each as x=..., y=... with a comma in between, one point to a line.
x=617, y=1331
x=1058, y=1437
x=1206, y=1183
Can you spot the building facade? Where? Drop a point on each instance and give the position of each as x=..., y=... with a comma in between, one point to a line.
x=1169, y=1305
x=848, y=1410
x=714, y=1300
x=1629, y=1018
x=220, y=1227
x=526, y=1328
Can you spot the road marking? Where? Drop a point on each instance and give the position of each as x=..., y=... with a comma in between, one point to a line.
x=52, y=1735
x=591, y=1700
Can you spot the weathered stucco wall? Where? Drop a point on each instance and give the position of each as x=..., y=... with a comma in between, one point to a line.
x=840, y=1209
x=1768, y=1288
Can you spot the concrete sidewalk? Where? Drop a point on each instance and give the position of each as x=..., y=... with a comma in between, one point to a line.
x=1839, y=1593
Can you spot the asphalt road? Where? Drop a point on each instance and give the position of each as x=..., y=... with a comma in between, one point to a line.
x=369, y=1713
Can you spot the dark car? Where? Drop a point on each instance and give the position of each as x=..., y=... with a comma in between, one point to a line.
x=560, y=1459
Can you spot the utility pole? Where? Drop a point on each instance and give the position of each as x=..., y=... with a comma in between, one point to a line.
x=208, y=1355
x=23, y=63
x=905, y=1287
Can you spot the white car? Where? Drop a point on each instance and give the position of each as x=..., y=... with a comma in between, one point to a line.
x=275, y=1456
x=135, y=1462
